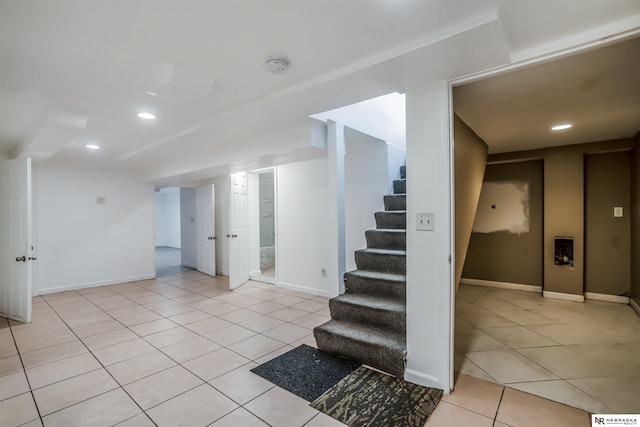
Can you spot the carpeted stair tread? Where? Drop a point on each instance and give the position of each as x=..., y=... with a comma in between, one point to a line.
x=390, y=260
x=376, y=283
x=367, y=344
x=378, y=311
x=391, y=220
x=386, y=238
x=395, y=202
x=400, y=186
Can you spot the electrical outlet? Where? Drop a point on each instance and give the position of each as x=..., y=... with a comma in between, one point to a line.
x=323, y=272
x=101, y=200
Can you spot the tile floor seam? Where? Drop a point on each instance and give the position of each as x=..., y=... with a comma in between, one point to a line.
x=103, y=367
x=24, y=372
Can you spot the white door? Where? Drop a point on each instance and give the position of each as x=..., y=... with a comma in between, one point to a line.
x=238, y=237
x=205, y=223
x=16, y=252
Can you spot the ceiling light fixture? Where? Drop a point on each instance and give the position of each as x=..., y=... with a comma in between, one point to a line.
x=277, y=65
x=561, y=127
x=92, y=146
x=147, y=116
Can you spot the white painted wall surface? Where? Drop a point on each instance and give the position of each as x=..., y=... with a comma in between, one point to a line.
x=188, y=229
x=222, y=185
x=82, y=244
x=430, y=287
x=167, y=214
x=303, y=234
x=366, y=183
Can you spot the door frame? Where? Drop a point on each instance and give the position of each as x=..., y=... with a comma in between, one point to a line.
x=254, y=225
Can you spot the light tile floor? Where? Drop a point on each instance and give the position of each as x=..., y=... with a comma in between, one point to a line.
x=178, y=350
x=585, y=355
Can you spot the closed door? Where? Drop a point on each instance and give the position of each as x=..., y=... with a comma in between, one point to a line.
x=205, y=223
x=16, y=252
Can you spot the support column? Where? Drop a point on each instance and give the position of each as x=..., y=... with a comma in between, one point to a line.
x=336, y=208
x=430, y=286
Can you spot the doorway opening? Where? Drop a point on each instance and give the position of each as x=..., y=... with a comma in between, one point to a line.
x=168, y=232
x=263, y=250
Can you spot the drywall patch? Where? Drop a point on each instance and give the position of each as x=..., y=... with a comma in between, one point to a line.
x=503, y=206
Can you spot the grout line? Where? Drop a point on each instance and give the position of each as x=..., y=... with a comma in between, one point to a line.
x=24, y=372
x=495, y=418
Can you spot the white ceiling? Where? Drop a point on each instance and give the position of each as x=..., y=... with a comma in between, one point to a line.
x=75, y=72
x=597, y=91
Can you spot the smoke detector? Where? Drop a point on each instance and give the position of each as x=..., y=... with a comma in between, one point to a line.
x=277, y=65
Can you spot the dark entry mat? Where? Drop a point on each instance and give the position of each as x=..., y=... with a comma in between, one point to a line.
x=305, y=371
x=371, y=398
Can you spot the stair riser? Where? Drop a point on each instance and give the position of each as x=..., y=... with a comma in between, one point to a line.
x=386, y=240
x=395, y=202
x=392, y=320
x=375, y=287
x=399, y=186
x=381, y=262
x=403, y=172
x=387, y=360
x=391, y=220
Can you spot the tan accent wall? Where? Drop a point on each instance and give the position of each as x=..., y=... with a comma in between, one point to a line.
x=635, y=221
x=608, y=238
x=470, y=157
x=564, y=206
x=504, y=256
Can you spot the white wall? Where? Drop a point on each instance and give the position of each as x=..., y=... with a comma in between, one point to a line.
x=366, y=183
x=167, y=217
x=430, y=286
x=302, y=240
x=188, y=229
x=80, y=243
x=222, y=185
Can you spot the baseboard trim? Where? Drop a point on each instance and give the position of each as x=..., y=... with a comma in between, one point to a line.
x=501, y=285
x=635, y=306
x=605, y=297
x=262, y=279
x=563, y=296
x=87, y=285
x=304, y=289
x=422, y=379
x=184, y=264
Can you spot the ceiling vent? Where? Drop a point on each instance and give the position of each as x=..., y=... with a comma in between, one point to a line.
x=277, y=65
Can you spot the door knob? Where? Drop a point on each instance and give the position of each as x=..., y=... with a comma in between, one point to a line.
x=234, y=235
x=32, y=258
x=21, y=259
x=228, y=235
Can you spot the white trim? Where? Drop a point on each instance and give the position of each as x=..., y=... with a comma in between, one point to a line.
x=421, y=378
x=563, y=296
x=635, y=306
x=501, y=285
x=94, y=284
x=258, y=277
x=304, y=289
x=606, y=297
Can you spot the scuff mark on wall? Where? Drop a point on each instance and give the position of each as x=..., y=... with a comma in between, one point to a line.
x=503, y=206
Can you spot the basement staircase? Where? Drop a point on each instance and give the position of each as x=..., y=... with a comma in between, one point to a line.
x=368, y=321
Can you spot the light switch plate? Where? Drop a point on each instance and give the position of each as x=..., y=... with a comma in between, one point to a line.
x=426, y=221
x=618, y=212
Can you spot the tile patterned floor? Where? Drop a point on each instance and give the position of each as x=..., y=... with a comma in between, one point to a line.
x=586, y=355
x=178, y=350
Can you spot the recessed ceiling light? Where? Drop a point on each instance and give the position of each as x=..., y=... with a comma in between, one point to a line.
x=147, y=116
x=561, y=127
x=92, y=146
